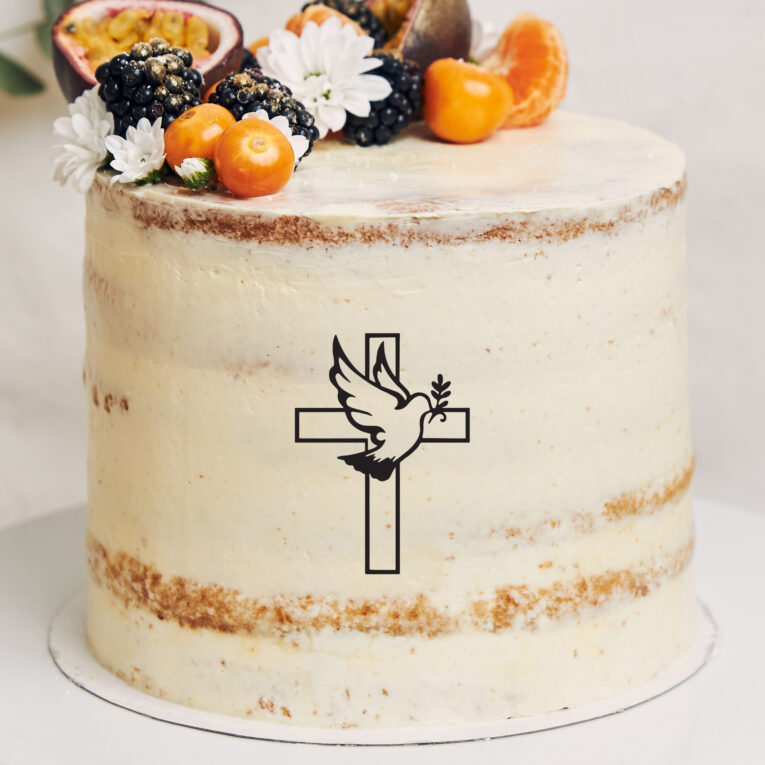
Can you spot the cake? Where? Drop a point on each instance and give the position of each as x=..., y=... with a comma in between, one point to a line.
x=522, y=300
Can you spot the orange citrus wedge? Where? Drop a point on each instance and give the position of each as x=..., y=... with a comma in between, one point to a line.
x=532, y=58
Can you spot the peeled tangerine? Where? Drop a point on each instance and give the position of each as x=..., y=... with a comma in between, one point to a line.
x=464, y=103
x=532, y=58
x=94, y=31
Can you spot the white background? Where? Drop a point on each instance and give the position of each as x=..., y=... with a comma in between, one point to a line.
x=693, y=71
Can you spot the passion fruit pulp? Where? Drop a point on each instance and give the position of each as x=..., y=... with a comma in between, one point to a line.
x=425, y=30
x=94, y=31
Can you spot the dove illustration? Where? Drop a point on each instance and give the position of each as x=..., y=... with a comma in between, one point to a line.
x=382, y=408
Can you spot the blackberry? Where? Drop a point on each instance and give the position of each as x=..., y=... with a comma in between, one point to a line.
x=357, y=11
x=251, y=90
x=248, y=60
x=151, y=80
x=391, y=115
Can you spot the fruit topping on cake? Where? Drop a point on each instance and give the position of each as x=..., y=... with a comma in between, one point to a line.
x=463, y=102
x=425, y=30
x=253, y=48
x=367, y=69
x=532, y=57
x=92, y=32
x=251, y=91
x=328, y=68
x=390, y=115
x=195, y=133
x=359, y=13
x=318, y=13
x=151, y=80
x=248, y=60
x=254, y=158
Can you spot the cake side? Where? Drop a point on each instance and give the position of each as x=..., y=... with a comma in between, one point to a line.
x=544, y=563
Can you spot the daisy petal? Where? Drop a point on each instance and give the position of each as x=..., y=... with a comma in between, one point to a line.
x=332, y=116
x=299, y=145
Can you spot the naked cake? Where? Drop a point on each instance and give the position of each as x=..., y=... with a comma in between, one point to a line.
x=406, y=439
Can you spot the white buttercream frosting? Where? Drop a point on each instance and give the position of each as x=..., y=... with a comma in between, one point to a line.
x=543, y=564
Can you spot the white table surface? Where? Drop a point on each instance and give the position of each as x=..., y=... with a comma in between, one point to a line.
x=718, y=716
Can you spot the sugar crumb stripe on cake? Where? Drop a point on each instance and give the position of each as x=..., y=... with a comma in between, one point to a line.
x=652, y=497
x=139, y=585
x=250, y=225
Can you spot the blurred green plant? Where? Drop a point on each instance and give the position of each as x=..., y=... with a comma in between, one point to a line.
x=17, y=79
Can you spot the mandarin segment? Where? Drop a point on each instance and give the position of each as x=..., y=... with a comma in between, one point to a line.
x=532, y=57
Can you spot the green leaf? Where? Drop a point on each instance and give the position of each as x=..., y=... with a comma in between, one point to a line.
x=43, y=37
x=17, y=80
x=53, y=9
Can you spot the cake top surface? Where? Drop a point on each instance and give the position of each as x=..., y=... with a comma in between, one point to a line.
x=570, y=162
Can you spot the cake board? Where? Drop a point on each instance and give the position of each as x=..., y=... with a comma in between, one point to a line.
x=67, y=645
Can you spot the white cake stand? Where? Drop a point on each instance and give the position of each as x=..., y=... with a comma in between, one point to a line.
x=68, y=647
x=716, y=716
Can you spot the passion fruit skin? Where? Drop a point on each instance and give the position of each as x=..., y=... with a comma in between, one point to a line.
x=434, y=29
x=76, y=76
x=70, y=80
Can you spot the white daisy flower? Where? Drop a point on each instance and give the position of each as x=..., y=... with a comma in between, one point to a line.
x=325, y=68
x=196, y=172
x=484, y=38
x=82, y=149
x=298, y=142
x=139, y=156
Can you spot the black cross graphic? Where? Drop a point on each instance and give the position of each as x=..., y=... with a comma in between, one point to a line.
x=382, y=535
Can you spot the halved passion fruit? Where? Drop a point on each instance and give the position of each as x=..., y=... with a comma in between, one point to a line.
x=94, y=31
x=425, y=30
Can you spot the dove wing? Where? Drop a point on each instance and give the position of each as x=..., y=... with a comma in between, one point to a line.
x=384, y=377
x=367, y=406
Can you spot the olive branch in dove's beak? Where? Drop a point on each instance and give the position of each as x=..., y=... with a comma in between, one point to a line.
x=440, y=395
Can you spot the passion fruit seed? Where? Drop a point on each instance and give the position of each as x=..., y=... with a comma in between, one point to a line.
x=104, y=39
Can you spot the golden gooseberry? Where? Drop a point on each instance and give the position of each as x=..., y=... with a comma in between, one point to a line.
x=196, y=132
x=464, y=103
x=253, y=159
